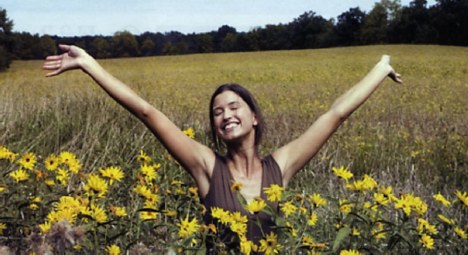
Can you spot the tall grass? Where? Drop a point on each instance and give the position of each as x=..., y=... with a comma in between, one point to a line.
x=412, y=137
x=411, y=134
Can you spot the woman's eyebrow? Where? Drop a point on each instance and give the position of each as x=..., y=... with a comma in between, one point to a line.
x=235, y=103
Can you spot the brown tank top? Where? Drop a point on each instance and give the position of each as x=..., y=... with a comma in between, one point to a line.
x=220, y=195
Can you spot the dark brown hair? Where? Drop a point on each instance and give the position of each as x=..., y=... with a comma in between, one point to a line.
x=251, y=102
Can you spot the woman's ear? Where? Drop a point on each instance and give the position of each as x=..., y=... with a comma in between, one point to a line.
x=255, y=122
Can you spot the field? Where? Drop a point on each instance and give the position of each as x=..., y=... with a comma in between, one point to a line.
x=413, y=137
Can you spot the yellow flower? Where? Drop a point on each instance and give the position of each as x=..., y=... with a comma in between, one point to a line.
x=270, y=244
x=113, y=250
x=247, y=246
x=66, y=156
x=143, y=158
x=45, y=227
x=170, y=213
x=343, y=173
x=350, y=252
x=2, y=188
x=118, y=211
x=238, y=228
x=96, y=184
x=378, y=231
x=256, y=205
x=460, y=232
x=408, y=203
x=113, y=173
x=445, y=219
x=3, y=226
x=381, y=199
x=189, y=132
x=355, y=232
x=98, y=214
x=288, y=208
x=345, y=206
x=28, y=160
x=220, y=214
x=274, y=193
x=5, y=153
x=74, y=166
x=441, y=199
x=313, y=218
x=19, y=175
x=238, y=217
x=462, y=196
x=427, y=241
x=148, y=215
x=388, y=192
x=49, y=182
x=425, y=227
x=149, y=171
x=62, y=176
x=236, y=186
x=193, y=191
x=317, y=200
x=187, y=228
x=52, y=162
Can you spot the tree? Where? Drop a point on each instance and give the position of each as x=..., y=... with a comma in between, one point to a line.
x=101, y=48
x=374, y=29
x=220, y=35
x=413, y=25
x=147, y=47
x=311, y=31
x=450, y=20
x=204, y=43
x=124, y=44
x=349, y=26
x=6, y=45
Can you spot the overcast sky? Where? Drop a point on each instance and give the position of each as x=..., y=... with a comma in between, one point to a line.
x=104, y=17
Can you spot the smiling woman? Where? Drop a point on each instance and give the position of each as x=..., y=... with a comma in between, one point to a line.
x=236, y=122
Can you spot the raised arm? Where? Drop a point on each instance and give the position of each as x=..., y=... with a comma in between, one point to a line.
x=297, y=153
x=193, y=156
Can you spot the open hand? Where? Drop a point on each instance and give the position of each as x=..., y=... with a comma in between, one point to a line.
x=71, y=59
x=396, y=77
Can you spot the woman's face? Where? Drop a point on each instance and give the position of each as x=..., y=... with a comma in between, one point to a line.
x=233, y=118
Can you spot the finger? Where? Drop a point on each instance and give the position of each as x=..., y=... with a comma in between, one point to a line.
x=52, y=65
x=53, y=73
x=55, y=57
x=64, y=47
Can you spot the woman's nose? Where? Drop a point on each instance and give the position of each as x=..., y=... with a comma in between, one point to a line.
x=227, y=114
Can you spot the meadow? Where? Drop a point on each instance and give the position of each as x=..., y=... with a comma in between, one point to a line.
x=410, y=137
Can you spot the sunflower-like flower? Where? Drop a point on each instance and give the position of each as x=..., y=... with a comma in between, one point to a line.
x=187, y=228
x=19, y=175
x=112, y=173
x=343, y=173
x=256, y=205
x=274, y=193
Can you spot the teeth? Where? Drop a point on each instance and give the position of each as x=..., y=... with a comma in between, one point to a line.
x=230, y=126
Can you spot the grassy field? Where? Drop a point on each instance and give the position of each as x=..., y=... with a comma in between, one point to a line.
x=416, y=130
x=412, y=136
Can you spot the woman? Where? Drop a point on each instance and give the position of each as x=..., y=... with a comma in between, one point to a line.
x=237, y=122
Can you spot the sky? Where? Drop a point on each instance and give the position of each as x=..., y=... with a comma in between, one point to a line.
x=105, y=17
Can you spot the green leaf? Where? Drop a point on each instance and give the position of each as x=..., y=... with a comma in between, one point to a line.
x=340, y=237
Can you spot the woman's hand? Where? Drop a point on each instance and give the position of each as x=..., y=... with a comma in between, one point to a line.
x=72, y=58
x=396, y=77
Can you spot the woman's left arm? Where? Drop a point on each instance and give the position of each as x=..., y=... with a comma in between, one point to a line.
x=298, y=152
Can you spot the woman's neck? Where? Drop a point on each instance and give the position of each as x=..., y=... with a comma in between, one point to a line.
x=243, y=160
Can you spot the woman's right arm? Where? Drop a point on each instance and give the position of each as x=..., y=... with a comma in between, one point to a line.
x=193, y=156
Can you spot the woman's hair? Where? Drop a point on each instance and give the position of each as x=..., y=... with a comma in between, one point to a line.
x=251, y=102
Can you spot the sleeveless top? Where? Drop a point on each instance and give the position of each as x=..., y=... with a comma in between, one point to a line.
x=220, y=195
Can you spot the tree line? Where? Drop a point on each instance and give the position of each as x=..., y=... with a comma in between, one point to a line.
x=444, y=23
